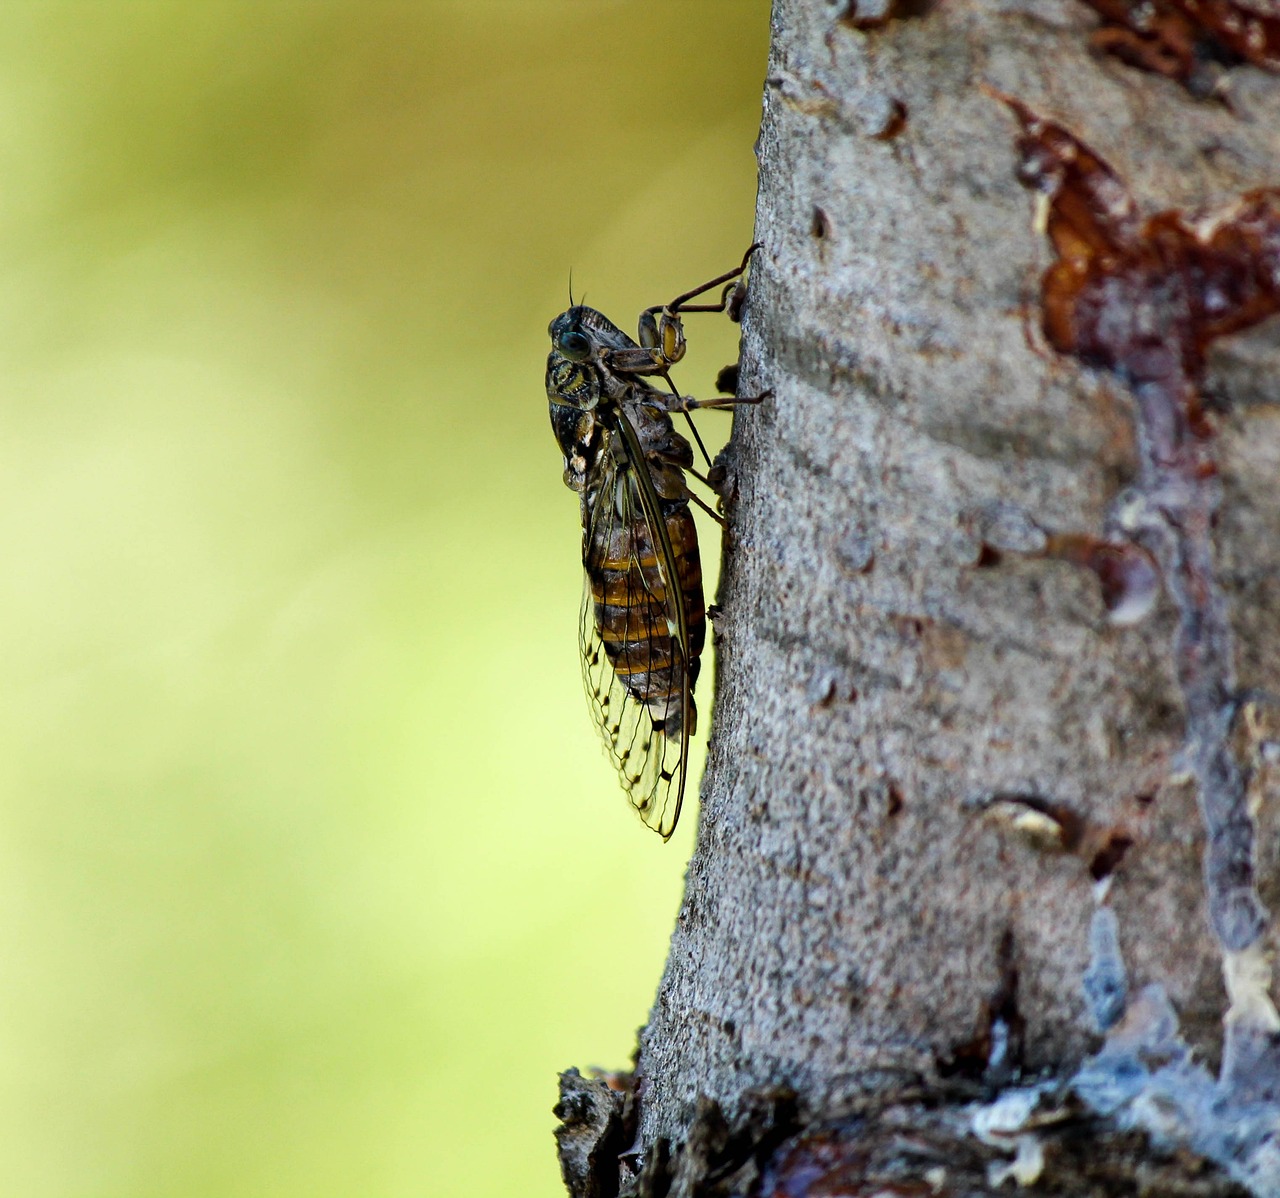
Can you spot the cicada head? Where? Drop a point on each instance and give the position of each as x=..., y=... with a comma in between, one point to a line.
x=573, y=378
x=569, y=338
x=581, y=331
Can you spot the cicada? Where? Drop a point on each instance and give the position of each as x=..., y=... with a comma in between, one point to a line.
x=643, y=621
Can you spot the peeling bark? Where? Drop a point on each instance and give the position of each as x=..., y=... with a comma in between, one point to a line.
x=991, y=794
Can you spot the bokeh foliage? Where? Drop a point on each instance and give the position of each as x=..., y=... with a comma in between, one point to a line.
x=311, y=873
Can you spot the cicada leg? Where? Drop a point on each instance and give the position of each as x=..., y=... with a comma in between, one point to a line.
x=705, y=480
x=686, y=403
x=661, y=328
x=661, y=331
x=662, y=343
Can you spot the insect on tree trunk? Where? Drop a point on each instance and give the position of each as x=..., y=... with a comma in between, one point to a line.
x=988, y=843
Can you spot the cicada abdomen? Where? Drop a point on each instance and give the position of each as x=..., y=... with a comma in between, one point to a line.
x=641, y=636
x=630, y=605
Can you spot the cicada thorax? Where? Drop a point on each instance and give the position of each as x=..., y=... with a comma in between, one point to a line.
x=654, y=653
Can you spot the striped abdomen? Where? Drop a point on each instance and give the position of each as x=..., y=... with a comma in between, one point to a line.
x=629, y=594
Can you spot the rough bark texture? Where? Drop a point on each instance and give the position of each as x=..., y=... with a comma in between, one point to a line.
x=924, y=649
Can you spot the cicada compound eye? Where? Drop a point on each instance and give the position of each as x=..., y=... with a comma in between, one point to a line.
x=574, y=345
x=568, y=339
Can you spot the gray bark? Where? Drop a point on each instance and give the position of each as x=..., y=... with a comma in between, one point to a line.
x=857, y=915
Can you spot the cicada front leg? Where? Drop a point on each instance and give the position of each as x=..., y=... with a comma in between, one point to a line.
x=662, y=344
x=661, y=331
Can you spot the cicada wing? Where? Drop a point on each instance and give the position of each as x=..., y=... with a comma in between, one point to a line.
x=635, y=665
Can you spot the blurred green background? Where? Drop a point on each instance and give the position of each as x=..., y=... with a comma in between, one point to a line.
x=312, y=874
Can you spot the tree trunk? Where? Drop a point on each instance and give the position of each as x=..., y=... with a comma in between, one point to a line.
x=1000, y=609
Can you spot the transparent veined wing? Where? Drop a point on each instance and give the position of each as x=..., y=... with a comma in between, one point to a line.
x=634, y=636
